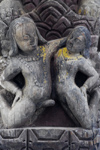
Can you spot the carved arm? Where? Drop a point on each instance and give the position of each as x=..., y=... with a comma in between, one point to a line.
x=55, y=45
x=9, y=73
x=88, y=69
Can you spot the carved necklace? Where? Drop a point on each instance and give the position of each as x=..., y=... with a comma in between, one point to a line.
x=40, y=53
x=28, y=58
x=64, y=53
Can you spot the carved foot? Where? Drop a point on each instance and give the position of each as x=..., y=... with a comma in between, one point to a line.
x=46, y=103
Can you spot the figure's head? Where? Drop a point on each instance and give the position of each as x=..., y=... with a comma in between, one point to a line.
x=25, y=35
x=79, y=41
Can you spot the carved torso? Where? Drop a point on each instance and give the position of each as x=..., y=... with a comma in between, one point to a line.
x=67, y=66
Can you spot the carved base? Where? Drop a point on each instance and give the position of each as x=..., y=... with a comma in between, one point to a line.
x=50, y=139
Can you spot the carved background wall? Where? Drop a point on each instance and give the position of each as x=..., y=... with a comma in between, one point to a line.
x=55, y=22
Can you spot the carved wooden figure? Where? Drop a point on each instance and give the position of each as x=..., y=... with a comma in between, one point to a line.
x=68, y=62
x=33, y=62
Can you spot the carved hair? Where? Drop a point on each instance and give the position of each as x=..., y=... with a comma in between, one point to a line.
x=82, y=30
x=12, y=30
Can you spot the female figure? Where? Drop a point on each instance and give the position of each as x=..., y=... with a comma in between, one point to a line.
x=69, y=61
x=33, y=62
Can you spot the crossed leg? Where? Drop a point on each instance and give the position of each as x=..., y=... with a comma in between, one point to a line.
x=79, y=107
x=18, y=115
x=94, y=105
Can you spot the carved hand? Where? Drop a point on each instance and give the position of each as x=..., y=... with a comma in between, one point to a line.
x=17, y=97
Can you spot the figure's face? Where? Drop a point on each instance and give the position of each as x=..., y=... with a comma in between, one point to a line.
x=26, y=37
x=76, y=44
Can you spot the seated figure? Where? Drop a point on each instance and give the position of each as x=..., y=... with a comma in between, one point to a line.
x=33, y=62
x=68, y=62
